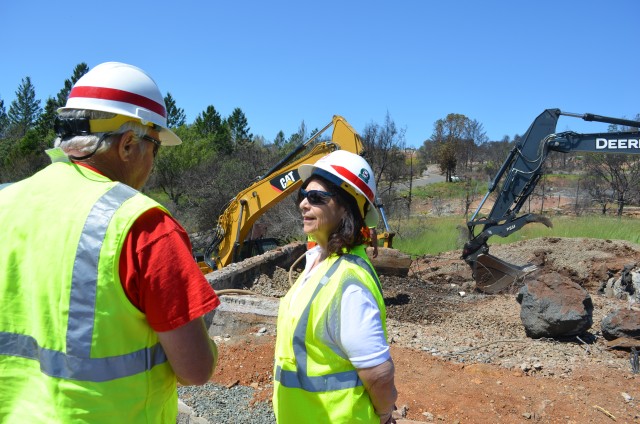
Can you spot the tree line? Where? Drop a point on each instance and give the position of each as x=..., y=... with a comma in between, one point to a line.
x=220, y=156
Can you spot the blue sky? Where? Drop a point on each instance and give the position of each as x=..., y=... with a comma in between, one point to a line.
x=283, y=62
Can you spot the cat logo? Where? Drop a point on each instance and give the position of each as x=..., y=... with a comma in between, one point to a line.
x=284, y=181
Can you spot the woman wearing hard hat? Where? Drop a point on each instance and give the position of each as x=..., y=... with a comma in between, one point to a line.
x=332, y=359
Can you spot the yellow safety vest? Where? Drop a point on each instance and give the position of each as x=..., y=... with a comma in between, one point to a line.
x=312, y=383
x=73, y=349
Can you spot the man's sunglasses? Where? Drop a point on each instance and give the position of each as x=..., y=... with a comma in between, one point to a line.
x=156, y=143
x=315, y=197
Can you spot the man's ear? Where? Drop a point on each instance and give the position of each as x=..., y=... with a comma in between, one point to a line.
x=125, y=145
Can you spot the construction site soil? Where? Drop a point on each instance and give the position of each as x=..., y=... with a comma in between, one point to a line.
x=463, y=357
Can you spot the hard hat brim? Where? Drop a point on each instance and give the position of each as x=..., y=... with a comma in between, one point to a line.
x=169, y=138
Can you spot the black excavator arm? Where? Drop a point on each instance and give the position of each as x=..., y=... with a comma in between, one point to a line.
x=518, y=177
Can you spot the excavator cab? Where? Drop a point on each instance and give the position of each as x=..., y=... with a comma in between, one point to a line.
x=518, y=177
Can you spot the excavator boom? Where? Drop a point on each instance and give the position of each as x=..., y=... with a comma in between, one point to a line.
x=518, y=177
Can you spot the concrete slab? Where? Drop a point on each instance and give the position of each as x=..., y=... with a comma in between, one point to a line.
x=241, y=314
x=242, y=274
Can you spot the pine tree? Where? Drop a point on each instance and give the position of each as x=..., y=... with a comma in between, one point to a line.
x=210, y=126
x=175, y=115
x=80, y=69
x=46, y=119
x=25, y=109
x=4, y=120
x=239, y=127
x=208, y=122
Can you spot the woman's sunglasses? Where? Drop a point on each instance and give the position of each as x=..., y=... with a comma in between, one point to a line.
x=315, y=197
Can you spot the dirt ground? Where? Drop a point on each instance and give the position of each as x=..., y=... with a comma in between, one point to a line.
x=463, y=357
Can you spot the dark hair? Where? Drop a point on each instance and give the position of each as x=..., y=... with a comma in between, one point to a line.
x=349, y=232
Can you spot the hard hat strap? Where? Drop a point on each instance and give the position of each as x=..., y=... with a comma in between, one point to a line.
x=66, y=127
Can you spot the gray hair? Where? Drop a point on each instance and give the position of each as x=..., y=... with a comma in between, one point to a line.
x=81, y=145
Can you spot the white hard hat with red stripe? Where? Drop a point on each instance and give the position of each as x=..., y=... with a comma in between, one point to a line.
x=124, y=90
x=351, y=172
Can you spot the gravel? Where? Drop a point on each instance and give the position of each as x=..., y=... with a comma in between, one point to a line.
x=221, y=405
x=436, y=310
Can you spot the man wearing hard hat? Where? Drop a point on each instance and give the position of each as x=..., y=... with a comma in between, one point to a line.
x=102, y=302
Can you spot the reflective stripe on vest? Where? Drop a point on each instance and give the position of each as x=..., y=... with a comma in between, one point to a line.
x=76, y=363
x=299, y=379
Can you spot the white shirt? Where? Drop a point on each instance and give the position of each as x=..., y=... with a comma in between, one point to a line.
x=357, y=334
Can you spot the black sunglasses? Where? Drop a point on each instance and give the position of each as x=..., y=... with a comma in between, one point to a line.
x=156, y=143
x=315, y=197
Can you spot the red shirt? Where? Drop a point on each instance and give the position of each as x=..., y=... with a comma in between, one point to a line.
x=158, y=272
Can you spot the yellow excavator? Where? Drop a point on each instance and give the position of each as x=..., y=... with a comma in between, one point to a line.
x=234, y=225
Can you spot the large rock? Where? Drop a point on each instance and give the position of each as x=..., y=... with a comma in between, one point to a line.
x=554, y=306
x=621, y=323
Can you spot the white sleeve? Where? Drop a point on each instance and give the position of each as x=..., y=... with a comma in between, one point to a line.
x=360, y=335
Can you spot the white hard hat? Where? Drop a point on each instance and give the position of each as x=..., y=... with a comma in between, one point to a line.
x=124, y=90
x=351, y=172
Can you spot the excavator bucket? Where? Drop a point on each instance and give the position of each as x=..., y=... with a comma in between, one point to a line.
x=493, y=275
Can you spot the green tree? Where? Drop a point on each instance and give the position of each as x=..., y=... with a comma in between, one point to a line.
x=210, y=126
x=45, y=123
x=173, y=164
x=208, y=122
x=4, y=119
x=25, y=109
x=175, y=115
x=222, y=140
x=78, y=72
x=239, y=128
